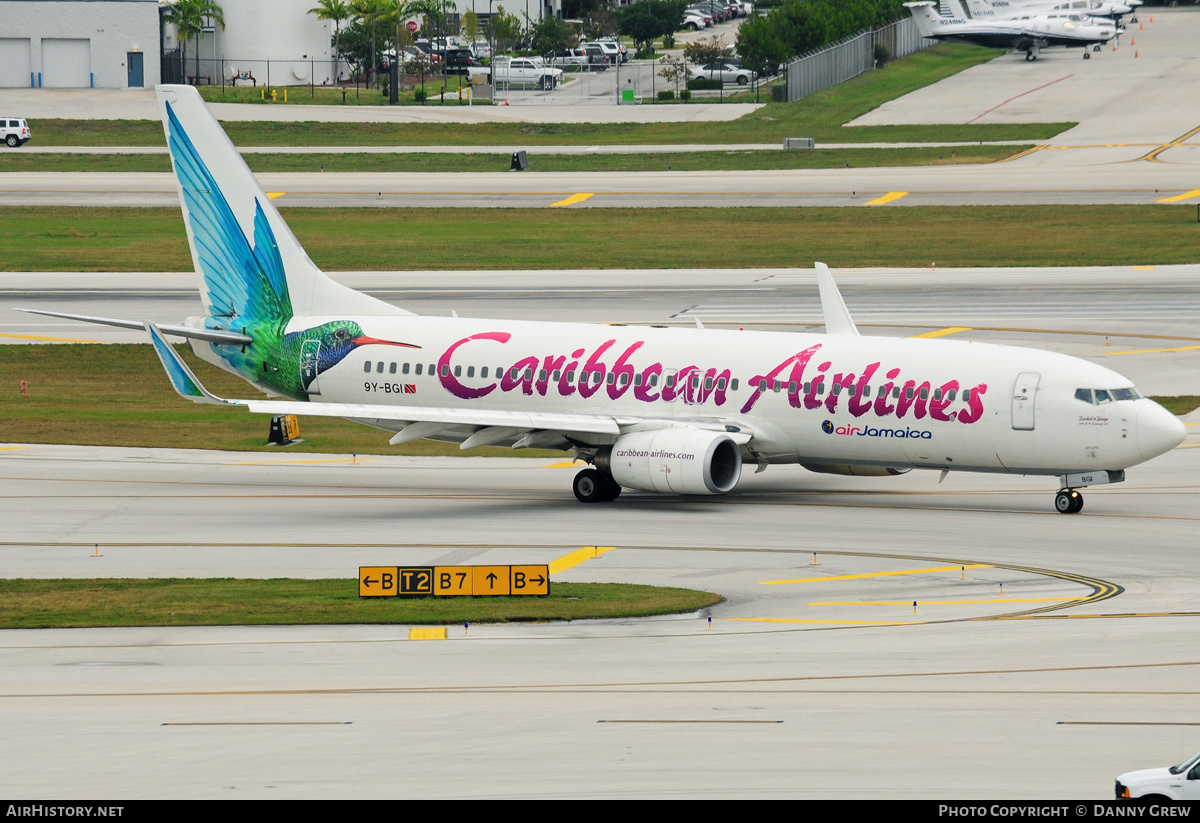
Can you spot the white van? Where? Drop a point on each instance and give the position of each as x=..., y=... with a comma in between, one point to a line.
x=14, y=131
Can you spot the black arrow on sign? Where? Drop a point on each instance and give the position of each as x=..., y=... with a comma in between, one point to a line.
x=491, y=578
x=368, y=582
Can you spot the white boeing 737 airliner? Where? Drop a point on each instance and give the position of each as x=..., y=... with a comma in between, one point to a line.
x=666, y=410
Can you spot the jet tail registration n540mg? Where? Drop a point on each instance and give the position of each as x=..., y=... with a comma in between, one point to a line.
x=661, y=410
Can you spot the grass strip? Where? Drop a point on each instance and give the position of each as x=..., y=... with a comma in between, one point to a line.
x=125, y=239
x=758, y=159
x=118, y=395
x=1179, y=405
x=822, y=115
x=68, y=603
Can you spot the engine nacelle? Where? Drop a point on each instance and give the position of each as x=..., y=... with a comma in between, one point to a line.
x=855, y=471
x=675, y=461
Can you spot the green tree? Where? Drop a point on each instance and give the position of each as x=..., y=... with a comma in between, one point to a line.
x=470, y=27
x=550, y=35
x=372, y=14
x=709, y=50
x=189, y=18
x=337, y=11
x=506, y=30
x=648, y=21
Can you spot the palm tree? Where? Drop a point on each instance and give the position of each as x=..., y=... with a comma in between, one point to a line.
x=370, y=12
x=337, y=11
x=189, y=18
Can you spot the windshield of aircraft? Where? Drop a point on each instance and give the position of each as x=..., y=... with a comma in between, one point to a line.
x=1100, y=396
x=1185, y=765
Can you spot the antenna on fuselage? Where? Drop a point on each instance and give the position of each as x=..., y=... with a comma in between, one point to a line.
x=837, y=316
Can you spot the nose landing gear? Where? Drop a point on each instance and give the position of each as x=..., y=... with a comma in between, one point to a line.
x=1068, y=501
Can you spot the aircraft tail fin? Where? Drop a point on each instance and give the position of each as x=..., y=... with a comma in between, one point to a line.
x=250, y=264
x=952, y=10
x=925, y=13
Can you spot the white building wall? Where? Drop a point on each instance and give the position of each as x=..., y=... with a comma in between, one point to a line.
x=109, y=28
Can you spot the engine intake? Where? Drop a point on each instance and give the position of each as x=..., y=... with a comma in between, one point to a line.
x=675, y=461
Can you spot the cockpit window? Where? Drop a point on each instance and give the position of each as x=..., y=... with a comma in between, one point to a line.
x=1098, y=396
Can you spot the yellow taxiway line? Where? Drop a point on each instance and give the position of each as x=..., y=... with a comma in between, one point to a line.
x=829, y=622
x=944, y=332
x=887, y=198
x=1187, y=195
x=574, y=198
x=325, y=460
x=1153, y=351
x=271, y=195
x=49, y=339
x=945, y=602
x=876, y=574
x=570, y=561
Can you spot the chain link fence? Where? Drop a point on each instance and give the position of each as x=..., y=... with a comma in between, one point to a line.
x=850, y=57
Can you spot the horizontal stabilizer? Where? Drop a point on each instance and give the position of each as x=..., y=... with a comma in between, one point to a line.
x=181, y=376
x=227, y=338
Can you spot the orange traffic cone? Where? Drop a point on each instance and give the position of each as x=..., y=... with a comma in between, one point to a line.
x=1132, y=40
x=1141, y=26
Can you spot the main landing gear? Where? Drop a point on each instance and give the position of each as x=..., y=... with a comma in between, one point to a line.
x=1068, y=501
x=1087, y=55
x=591, y=486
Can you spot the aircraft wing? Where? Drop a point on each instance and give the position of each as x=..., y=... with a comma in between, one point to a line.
x=475, y=426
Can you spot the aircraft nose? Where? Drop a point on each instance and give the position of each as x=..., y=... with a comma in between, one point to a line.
x=1158, y=431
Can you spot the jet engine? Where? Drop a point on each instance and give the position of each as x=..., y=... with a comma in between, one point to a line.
x=676, y=461
x=855, y=471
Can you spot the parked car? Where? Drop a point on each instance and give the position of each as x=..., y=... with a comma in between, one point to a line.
x=524, y=71
x=14, y=131
x=608, y=48
x=458, y=61
x=725, y=72
x=1164, y=785
x=694, y=21
x=580, y=58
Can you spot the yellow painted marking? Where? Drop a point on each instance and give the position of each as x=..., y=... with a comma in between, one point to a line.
x=874, y=574
x=50, y=339
x=574, y=198
x=943, y=602
x=833, y=622
x=564, y=464
x=1144, y=268
x=274, y=194
x=1026, y=153
x=1153, y=156
x=887, y=198
x=427, y=633
x=281, y=462
x=944, y=332
x=1153, y=351
x=1187, y=195
x=570, y=561
x=10, y=448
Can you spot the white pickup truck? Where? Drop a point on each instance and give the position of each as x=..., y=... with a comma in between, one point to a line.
x=1162, y=785
x=520, y=71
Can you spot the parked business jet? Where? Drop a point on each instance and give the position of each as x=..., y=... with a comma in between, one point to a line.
x=980, y=9
x=1029, y=33
x=667, y=410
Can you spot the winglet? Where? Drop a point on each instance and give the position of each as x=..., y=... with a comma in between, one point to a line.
x=837, y=316
x=181, y=376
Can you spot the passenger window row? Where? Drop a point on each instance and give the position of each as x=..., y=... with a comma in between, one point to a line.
x=379, y=366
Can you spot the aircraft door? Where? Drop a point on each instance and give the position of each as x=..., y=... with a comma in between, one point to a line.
x=1024, y=397
x=310, y=358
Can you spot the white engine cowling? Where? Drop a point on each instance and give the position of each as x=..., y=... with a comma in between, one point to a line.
x=676, y=461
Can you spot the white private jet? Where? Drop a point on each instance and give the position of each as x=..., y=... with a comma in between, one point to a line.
x=1030, y=32
x=674, y=411
x=1018, y=8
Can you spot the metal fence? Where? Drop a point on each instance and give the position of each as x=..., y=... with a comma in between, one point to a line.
x=850, y=57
